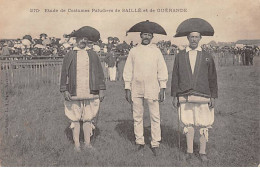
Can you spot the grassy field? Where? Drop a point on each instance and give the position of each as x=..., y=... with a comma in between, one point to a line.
x=35, y=131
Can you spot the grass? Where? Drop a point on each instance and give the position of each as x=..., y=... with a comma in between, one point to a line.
x=39, y=135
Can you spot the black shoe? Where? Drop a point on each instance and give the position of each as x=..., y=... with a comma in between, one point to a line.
x=189, y=156
x=204, y=158
x=155, y=151
x=139, y=147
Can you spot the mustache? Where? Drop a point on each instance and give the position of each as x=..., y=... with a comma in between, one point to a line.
x=146, y=39
x=82, y=45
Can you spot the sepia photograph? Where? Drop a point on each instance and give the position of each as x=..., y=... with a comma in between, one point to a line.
x=151, y=83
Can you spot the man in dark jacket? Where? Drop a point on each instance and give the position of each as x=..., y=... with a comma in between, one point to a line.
x=194, y=89
x=110, y=60
x=82, y=83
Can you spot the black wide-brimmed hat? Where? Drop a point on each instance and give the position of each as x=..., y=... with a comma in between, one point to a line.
x=194, y=25
x=87, y=32
x=147, y=27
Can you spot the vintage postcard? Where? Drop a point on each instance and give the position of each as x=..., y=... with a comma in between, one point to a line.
x=151, y=83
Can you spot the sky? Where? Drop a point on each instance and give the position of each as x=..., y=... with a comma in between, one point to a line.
x=232, y=20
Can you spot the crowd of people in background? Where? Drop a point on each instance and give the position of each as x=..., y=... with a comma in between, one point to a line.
x=58, y=47
x=112, y=52
x=240, y=55
x=29, y=47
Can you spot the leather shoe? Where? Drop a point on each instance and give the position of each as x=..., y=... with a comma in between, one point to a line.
x=204, y=158
x=155, y=151
x=139, y=147
x=189, y=156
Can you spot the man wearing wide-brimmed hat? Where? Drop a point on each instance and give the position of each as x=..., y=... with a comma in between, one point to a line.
x=82, y=82
x=194, y=84
x=145, y=75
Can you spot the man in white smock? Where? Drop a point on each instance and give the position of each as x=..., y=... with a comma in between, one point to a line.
x=145, y=75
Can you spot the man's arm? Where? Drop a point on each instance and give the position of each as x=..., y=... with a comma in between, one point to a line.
x=213, y=83
x=212, y=78
x=175, y=81
x=100, y=75
x=128, y=74
x=63, y=80
x=162, y=74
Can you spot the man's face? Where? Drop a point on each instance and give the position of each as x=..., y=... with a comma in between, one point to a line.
x=146, y=38
x=194, y=39
x=81, y=43
x=110, y=41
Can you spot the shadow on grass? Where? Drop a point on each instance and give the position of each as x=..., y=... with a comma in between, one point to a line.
x=125, y=128
x=68, y=133
x=170, y=137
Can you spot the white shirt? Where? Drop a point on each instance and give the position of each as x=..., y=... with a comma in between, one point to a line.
x=82, y=80
x=193, y=56
x=145, y=72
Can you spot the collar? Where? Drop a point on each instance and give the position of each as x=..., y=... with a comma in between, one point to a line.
x=148, y=46
x=196, y=49
x=145, y=45
x=78, y=49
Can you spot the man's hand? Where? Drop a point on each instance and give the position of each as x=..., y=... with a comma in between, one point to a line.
x=161, y=95
x=212, y=103
x=67, y=96
x=128, y=96
x=101, y=95
x=175, y=102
